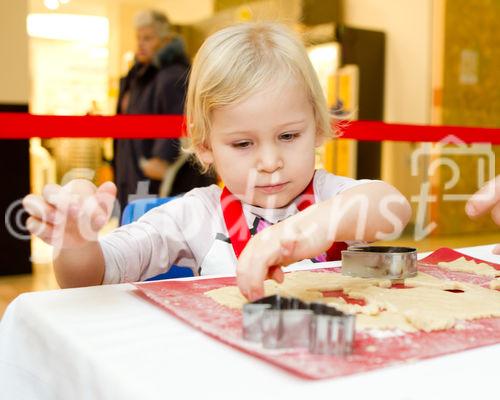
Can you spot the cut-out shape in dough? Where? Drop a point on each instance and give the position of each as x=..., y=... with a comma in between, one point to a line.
x=462, y=265
x=426, y=304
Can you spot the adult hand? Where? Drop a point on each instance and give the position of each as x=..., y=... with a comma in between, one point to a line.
x=154, y=168
x=486, y=199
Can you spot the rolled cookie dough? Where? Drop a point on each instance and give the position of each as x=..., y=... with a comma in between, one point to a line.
x=426, y=303
x=462, y=265
x=495, y=284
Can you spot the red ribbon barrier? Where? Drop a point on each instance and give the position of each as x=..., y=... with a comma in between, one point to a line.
x=378, y=131
x=21, y=126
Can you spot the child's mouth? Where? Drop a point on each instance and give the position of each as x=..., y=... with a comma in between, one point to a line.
x=269, y=189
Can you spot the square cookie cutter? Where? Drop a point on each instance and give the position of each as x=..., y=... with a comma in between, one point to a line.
x=281, y=322
x=395, y=263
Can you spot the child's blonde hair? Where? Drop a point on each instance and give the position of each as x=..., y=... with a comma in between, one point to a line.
x=241, y=60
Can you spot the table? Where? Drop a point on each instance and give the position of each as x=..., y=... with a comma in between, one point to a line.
x=108, y=343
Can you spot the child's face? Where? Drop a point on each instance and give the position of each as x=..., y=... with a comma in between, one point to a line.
x=263, y=147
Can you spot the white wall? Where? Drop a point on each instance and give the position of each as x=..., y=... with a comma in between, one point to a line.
x=14, y=85
x=408, y=26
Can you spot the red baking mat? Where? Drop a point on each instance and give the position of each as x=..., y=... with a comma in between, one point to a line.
x=377, y=349
x=429, y=266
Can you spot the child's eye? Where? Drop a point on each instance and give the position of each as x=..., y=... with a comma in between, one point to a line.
x=242, y=145
x=289, y=136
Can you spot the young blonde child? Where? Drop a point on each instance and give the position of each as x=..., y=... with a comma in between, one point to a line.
x=255, y=113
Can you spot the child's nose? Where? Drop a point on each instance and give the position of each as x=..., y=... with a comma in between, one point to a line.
x=269, y=159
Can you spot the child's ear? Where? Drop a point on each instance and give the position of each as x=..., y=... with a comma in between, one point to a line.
x=320, y=139
x=205, y=154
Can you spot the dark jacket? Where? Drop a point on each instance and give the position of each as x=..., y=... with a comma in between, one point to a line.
x=157, y=88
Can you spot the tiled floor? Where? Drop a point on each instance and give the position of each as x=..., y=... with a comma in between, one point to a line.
x=43, y=276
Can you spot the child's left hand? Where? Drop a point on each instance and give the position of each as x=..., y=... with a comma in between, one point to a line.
x=279, y=245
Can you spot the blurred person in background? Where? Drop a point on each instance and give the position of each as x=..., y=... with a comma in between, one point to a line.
x=156, y=84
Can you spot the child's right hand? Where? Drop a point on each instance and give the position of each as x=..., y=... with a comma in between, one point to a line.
x=70, y=216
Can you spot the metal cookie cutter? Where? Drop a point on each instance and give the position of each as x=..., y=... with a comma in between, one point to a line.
x=281, y=322
x=332, y=331
x=379, y=262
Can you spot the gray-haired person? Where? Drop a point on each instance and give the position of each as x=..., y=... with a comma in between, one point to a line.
x=155, y=84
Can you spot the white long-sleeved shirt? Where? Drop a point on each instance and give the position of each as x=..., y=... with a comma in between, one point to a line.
x=190, y=231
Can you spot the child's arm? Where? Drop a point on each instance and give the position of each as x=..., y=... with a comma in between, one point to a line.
x=81, y=266
x=69, y=219
x=368, y=212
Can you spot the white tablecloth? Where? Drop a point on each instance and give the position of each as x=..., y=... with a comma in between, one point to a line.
x=107, y=343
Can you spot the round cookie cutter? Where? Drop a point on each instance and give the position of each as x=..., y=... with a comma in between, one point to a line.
x=387, y=262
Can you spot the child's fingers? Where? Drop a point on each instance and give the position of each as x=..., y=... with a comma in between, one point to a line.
x=496, y=249
x=60, y=199
x=37, y=207
x=51, y=193
x=254, y=268
x=263, y=258
x=108, y=188
x=91, y=217
x=43, y=230
x=495, y=214
x=106, y=196
x=484, y=199
x=250, y=276
x=277, y=274
x=74, y=194
x=252, y=290
x=90, y=207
